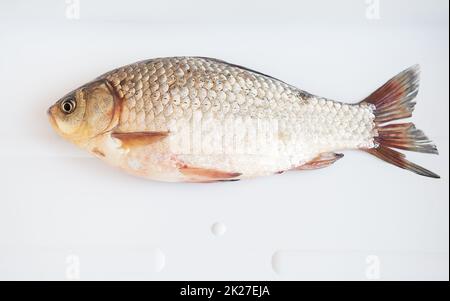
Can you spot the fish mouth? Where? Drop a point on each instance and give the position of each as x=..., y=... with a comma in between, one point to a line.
x=54, y=124
x=51, y=119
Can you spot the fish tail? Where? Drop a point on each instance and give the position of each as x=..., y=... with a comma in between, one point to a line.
x=395, y=101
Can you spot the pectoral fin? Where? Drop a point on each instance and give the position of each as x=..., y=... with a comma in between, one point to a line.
x=198, y=174
x=138, y=139
x=323, y=160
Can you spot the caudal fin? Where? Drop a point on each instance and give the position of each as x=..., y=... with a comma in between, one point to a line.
x=395, y=101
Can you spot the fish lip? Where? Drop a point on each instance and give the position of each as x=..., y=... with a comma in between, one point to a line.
x=51, y=118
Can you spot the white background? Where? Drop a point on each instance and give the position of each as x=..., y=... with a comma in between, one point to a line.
x=66, y=215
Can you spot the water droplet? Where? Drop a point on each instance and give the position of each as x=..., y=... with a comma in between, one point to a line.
x=218, y=229
x=276, y=262
x=159, y=260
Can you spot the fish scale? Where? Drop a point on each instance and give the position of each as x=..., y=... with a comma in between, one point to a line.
x=230, y=110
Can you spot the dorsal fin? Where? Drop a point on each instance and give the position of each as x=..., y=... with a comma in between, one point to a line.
x=240, y=67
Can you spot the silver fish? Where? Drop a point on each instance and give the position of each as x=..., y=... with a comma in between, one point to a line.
x=198, y=119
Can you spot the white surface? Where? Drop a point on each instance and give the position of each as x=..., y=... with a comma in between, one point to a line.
x=65, y=215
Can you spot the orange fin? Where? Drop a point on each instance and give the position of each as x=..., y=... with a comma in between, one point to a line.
x=395, y=101
x=137, y=139
x=323, y=160
x=207, y=175
x=398, y=159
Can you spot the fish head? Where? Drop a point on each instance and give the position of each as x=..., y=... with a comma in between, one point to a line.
x=85, y=113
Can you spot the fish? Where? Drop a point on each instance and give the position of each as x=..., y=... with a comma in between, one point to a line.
x=203, y=120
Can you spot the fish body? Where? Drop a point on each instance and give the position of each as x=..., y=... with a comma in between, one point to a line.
x=198, y=119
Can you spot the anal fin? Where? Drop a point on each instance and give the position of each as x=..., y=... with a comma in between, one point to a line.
x=323, y=160
x=205, y=175
x=138, y=139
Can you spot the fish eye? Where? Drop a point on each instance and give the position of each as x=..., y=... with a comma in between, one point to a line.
x=68, y=105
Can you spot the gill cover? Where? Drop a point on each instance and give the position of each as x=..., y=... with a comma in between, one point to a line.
x=100, y=102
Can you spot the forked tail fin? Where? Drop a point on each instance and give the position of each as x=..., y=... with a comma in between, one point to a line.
x=394, y=101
